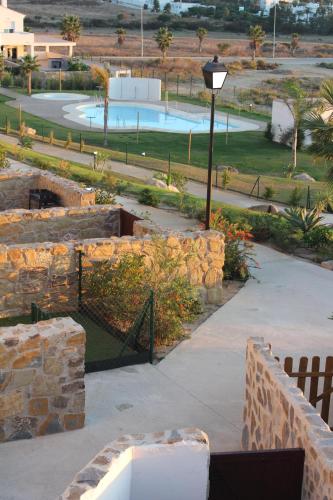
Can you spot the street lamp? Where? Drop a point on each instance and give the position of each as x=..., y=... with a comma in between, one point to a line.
x=95, y=159
x=214, y=74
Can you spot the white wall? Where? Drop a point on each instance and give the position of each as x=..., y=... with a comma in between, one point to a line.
x=170, y=472
x=282, y=119
x=10, y=19
x=140, y=89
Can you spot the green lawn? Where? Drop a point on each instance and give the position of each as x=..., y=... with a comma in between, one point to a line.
x=251, y=152
x=100, y=345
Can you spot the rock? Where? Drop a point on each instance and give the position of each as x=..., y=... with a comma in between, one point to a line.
x=232, y=170
x=163, y=185
x=270, y=209
x=327, y=264
x=304, y=177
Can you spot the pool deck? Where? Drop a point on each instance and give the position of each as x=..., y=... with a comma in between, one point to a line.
x=53, y=111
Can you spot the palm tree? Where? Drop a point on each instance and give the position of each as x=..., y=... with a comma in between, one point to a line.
x=121, y=32
x=294, y=43
x=28, y=65
x=257, y=36
x=103, y=77
x=320, y=122
x=201, y=33
x=298, y=105
x=71, y=28
x=163, y=39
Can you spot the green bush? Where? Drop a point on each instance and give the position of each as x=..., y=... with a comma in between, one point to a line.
x=319, y=237
x=104, y=197
x=268, y=193
x=4, y=162
x=295, y=197
x=124, y=286
x=149, y=197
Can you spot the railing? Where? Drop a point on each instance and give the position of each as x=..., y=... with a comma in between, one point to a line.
x=320, y=388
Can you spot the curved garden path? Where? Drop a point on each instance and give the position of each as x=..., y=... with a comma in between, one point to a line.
x=200, y=383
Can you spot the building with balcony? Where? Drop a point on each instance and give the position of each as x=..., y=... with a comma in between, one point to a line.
x=16, y=43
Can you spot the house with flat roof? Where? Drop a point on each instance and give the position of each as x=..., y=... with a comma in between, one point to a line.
x=16, y=43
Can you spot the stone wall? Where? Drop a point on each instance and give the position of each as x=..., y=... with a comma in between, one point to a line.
x=41, y=379
x=59, y=224
x=170, y=465
x=47, y=273
x=277, y=415
x=16, y=182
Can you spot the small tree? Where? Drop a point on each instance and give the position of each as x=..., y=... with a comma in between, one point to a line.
x=28, y=65
x=121, y=32
x=257, y=36
x=4, y=162
x=102, y=75
x=167, y=8
x=156, y=6
x=294, y=43
x=2, y=66
x=163, y=39
x=201, y=34
x=71, y=28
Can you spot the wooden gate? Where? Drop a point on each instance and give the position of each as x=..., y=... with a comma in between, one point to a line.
x=320, y=387
x=257, y=475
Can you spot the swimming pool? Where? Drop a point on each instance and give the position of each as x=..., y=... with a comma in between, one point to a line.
x=60, y=96
x=149, y=118
x=155, y=117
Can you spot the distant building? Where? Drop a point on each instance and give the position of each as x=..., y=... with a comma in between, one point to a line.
x=16, y=43
x=303, y=12
x=176, y=7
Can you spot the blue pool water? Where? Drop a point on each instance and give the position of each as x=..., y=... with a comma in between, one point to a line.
x=126, y=116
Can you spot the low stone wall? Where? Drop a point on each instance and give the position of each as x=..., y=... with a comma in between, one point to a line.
x=59, y=224
x=41, y=379
x=16, y=182
x=14, y=189
x=47, y=273
x=277, y=415
x=171, y=465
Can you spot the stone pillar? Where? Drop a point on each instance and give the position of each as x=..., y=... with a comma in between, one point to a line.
x=70, y=51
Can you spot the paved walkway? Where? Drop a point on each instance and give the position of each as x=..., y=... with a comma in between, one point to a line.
x=195, y=188
x=200, y=383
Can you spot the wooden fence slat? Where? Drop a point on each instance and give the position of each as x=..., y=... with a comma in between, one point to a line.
x=314, y=380
x=326, y=389
x=303, y=364
x=288, y=365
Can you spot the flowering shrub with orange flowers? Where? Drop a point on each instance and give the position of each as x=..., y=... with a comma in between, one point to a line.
x=238, y=246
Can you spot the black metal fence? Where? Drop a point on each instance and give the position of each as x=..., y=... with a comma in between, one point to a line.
x=107, y=346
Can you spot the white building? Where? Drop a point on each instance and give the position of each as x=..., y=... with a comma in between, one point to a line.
x=16, y=43
x=176, y=7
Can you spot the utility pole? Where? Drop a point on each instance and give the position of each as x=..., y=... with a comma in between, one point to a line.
x=141, y=31
x=274, y=31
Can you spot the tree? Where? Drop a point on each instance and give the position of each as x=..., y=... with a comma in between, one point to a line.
x=201, y=33
x=2, y=66
x=71, y=28
x=257, y=36
x=121, y=32
x=156, y=6
x=298, y=105
x=294, y=43
x=28, y=65
x=167, y=8
x=102, y=75
x=320, y=122
x=163, y=39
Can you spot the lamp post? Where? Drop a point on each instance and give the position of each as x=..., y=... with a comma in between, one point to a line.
x=214, y=74
x=95, y=160
x=274, y=31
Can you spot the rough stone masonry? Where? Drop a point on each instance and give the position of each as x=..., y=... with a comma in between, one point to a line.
x=41, y=379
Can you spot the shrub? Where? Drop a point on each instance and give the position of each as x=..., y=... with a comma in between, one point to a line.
x=148, y=197
x=124, y=286
x=268, y=193
x=204, y=96
x=302, y=219
x=4, y=162
x=269, y=131
x=104, y=197
x=319, y=237
x=26, y=142
x=237, y=246
x=226, y=178
x=295, y=197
